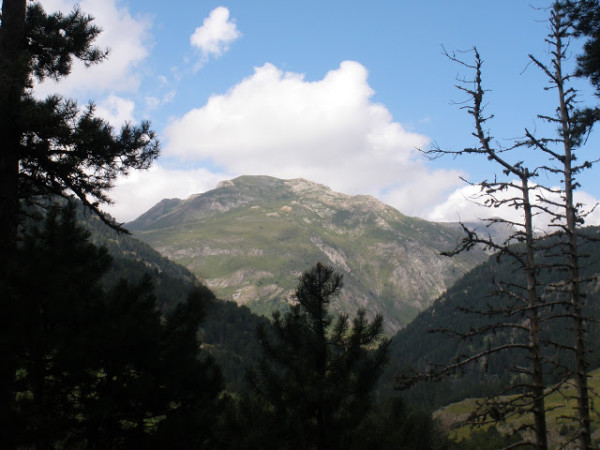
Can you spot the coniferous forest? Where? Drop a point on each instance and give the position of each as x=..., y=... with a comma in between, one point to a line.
x=106, y=344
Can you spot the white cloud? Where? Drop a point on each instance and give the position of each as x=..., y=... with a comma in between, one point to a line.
x=169, y=96
x=153, y=102
x=465, y=204
x=139, y=191
x=116, y=110
x=329, y=131
x=216, y=33
x=125, y=36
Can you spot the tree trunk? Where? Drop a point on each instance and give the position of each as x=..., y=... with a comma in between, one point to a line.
x=574, y=281
x=13, y=75
x=537, y=388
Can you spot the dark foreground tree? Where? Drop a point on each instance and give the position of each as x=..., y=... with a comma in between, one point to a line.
x=395, y=425
x=312, y=389
x=93, y=368
x=51, y=146
x=584, y=18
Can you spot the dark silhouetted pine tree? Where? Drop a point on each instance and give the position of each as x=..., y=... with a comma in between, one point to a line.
x=312, y=389
x=51, y=146
x=98, y=368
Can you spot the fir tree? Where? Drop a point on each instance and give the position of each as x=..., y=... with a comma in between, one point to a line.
x=96, y=368
x=51, y=146
x=312, y=389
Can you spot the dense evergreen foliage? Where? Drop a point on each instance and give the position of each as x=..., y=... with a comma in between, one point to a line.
x=51, y=146
x=230, y=333
x=585, y=19
x=96, y=367
x=312, y=389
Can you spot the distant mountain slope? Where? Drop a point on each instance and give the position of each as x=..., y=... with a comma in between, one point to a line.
x=416, y=347
x=251, y=237
x=228, y=331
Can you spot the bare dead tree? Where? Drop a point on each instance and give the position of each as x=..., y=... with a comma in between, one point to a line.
x=522, y=314
x=566, y=214
x=531, y=251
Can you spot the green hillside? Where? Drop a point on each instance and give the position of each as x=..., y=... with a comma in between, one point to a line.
x=228, y=331
x=558, y=405
x=416, y=347
x=249, y=239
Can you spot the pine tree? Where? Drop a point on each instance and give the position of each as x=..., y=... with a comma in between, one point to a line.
x=584, y=18
x=313, y=387
x=97, y=368
x=42, y=334
x=51, y=146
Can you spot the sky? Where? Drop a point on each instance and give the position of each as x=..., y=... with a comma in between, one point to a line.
x=343, y=93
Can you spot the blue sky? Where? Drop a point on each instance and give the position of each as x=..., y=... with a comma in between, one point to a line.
x=338, y=92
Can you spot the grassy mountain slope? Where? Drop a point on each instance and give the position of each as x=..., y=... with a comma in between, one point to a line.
x=559, y=405
x=250, y=238
x=133, y=258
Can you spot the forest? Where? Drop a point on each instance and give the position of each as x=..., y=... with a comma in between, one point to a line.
x=105, y=344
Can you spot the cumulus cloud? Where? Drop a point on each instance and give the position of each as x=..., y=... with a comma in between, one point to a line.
x=216, y=33
x=329, y=131
x=126, y=50
x=116, y=110
x=466, y=204
x=140, y=190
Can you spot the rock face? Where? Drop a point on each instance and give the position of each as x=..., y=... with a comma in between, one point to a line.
x=250, y=238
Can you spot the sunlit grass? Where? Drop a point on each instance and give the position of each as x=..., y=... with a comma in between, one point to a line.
x=561, y=408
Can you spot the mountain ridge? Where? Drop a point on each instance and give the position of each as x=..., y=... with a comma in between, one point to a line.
x=250, y=238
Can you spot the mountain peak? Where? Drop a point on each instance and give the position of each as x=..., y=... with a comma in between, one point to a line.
x=251, y=237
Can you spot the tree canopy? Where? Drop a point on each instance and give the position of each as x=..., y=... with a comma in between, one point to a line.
x=312, y=389
x=95, y=367
x=52, y=146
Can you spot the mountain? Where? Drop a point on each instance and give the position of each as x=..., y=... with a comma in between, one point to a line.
x=416, y=346
x=228, y=331
x=250, y=238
